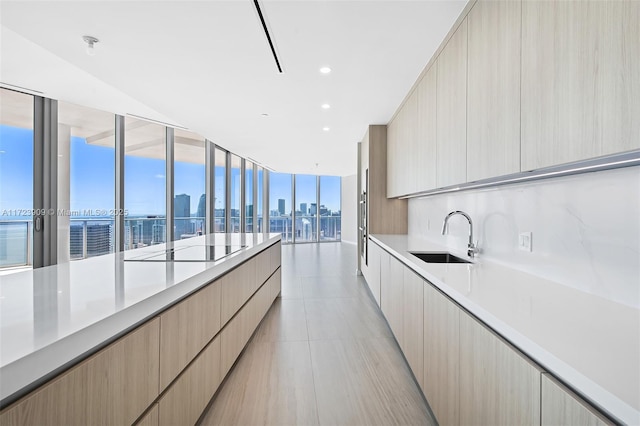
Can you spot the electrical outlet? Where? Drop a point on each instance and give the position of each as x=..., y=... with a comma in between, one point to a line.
x=524, y=241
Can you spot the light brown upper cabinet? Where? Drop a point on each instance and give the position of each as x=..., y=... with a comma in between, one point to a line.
x=451, y=105
x=493, y=97
x=424, y=165
x=580, y=80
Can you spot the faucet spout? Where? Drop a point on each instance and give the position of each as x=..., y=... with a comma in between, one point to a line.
x=471, y=248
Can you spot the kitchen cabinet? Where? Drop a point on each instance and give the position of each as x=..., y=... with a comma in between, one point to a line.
x=580, y=84
x=560, y=406
x=114, y=386
x=413, y=322
x=493, y=92
x=186, y=328
x=498, y=386
x=373, y=280
x=392, y=280
x=189, y=395
x=422, y=172
x=451, y=110
x=151, y=418
x=441, y=355
x=384, y=216
x=236, y=287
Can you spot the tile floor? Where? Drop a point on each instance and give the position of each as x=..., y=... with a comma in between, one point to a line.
x=323, y=354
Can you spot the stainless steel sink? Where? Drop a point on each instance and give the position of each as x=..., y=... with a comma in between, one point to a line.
x=439, y=257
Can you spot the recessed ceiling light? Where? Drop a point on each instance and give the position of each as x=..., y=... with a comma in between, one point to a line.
x=91, y=41
x=326, y=129
x=264, y=114
x=326, y=106
x=325, y=70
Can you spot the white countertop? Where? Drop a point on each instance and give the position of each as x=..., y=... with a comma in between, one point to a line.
x=54, y=316
x=591, y=343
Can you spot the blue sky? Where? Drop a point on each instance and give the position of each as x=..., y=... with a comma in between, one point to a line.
x=92, y=179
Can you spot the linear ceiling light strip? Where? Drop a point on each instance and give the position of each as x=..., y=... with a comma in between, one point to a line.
x=266, y=32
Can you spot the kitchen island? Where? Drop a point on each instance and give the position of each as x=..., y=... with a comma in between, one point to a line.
x=191, y=301
x=559, y=337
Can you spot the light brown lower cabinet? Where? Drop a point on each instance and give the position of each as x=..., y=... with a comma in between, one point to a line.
x=186, y=328
x=373, y=281
x=151, y=418
x=498, y=386
x=113, y=387
x=392, y=296
x=560, y=406
x=441, y=355
x=413, y=322
x=188, y=396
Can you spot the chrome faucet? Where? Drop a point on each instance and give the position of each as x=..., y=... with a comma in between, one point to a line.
x=471, y=248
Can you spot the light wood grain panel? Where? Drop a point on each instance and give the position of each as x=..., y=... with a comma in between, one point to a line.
x=395, y=308
x=394, y=149
x=115, y=386
x=187, y=328
x=365, y=382
x=441, y=355
x=412, y=160
x=385, y=282
x=151, y=418
x=236, y=287
x=413, y=324
x=276, y=256
x=234, y=336
x=186, y=399
x=493, y=96
x=498, y=386
x=580, y=80
x=423, y=171
x=560, y=406
x=272, y=384
x=373, y=279
x=263, y=267
x=385, y=216
x=276, y=284
x=451, y=105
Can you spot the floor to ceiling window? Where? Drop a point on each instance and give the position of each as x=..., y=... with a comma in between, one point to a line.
x=248, y=196
x=236, y=193
x=280, y=205
x=330, y=208
x=190, y=201
x=16, y=179
x=260, y=198
x=86, y=182
x=306, y=224
x=144, y=184
x=220, y=196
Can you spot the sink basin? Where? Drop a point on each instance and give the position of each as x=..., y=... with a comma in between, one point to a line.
x=439, y=257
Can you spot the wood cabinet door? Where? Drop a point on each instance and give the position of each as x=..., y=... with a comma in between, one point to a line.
x=498, y=386
x=395, y=311
x=441, y=355
x=373, y=278
x=186, y=399
x=394, y=158
x=560, y=406
x=493, y=91
x=451, y=108
x=423, y=168
x=151, y=418
x=114, y=386
x=413, y=322
x=580, y=80
x=236, y=287
x=186, y=328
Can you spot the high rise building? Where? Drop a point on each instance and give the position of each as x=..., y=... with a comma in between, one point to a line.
x=281, y=206
x=202, y=206
x=98, y=239
x=303, y=209
x=182, y=213
x=313, y=209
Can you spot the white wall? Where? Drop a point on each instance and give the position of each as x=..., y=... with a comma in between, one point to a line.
x=349, y=209
x=586, y=229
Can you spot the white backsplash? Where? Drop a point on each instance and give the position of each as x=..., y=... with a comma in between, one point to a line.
x=586, y=229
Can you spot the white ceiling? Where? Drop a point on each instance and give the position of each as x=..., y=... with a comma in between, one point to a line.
x=206, y=65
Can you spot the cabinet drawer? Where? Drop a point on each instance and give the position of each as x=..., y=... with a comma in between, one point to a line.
x=186, y=399
x=186, y=328
x=236, y=287
x=114, y=386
